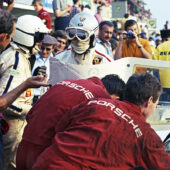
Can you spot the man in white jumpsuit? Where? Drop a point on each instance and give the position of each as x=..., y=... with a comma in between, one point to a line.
x=14, y=70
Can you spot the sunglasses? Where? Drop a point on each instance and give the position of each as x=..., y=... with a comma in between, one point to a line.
x=81, y=35
x=47, y=49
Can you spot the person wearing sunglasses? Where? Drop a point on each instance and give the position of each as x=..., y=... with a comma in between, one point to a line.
x=40, y=61
x=14, y=70
x=82, y=32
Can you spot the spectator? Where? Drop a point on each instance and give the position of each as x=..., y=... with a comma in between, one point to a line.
x=42, y=13
x=41, y=60
x=106, y=133
x=14, y=70
x=158, y=42
x=166, y=25
x=61, y=12
x=132, y=46
x=163, y=53
x=62, y=41
x=126, y=17
x=53, y=106
x=76, y=8
x=10, y=5
x=98, y=14
x=82, y=32
x=106, y=29
x=87, y=9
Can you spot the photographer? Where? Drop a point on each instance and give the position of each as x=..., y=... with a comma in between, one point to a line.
x=130, y=45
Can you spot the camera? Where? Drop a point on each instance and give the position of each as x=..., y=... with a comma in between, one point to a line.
x=130, y=34
x=40, y=71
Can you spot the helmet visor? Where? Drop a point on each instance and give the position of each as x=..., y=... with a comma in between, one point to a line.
x=81, y=35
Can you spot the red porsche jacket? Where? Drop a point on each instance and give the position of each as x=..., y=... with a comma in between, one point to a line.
x=43, y=118
x=104, y=135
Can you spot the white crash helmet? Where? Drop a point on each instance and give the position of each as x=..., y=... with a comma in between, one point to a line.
x=29, y=30
x=86, y=22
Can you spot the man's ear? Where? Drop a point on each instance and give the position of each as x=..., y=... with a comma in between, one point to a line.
x=3, y=36
x=148, y=102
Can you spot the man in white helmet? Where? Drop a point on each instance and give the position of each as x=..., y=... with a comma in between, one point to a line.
x=82, y=31
x=14, y=70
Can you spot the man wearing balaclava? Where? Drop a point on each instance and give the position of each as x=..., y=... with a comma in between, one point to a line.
x=82, y=33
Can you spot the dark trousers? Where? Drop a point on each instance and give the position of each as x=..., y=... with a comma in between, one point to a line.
x=61, y=23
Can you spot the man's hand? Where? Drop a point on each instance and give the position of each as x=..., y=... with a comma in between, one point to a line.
x=36, y=82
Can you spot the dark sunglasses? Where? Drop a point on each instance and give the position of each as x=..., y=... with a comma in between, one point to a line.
x=47, y=49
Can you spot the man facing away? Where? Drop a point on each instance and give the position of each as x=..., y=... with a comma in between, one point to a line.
x=109, y=134
x=44, y=116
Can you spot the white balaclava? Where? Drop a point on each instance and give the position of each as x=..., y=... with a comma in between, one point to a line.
x=80, y=47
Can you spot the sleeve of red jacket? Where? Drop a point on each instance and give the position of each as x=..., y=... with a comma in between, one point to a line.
x=75, y=145
x=154, y=153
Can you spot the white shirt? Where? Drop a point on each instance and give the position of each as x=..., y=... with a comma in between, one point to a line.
x=107, y=50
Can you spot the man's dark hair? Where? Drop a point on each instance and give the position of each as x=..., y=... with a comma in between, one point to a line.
x=87, y=6
x=101, y=25
x=60, y=33
x=99, y=7
x=126, y=15
x=75, y=1
x=130, y=23
x=7, y=21
x=140, y=87
x=114, y=84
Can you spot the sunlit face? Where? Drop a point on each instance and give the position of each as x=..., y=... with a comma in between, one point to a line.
x=5, y=39
x=61, y=44
x=150, y=108
x=46, y=50
x=106, y=33
x=37, y=7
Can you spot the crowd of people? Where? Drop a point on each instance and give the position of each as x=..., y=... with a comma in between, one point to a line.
x=77, y=124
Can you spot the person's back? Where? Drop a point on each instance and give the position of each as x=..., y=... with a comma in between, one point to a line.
x=103, y=134
x=60, y=98
x=110, y=134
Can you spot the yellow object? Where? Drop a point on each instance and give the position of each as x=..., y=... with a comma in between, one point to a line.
x=163, y=53
x=130, y=49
